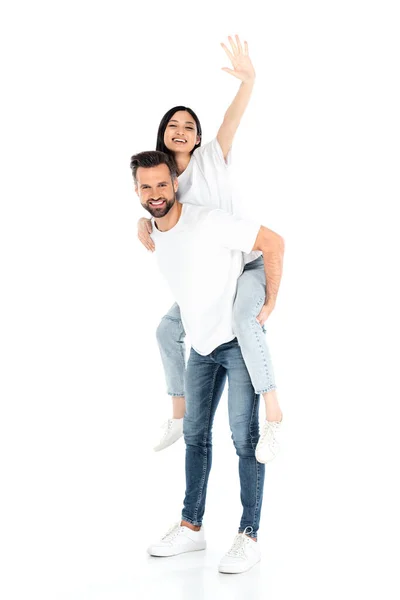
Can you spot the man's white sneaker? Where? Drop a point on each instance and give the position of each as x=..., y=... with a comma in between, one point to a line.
x=268, y=445
x=177, y=540
x=172, y=430
x=243, y=555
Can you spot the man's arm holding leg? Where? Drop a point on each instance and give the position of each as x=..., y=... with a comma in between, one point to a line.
x=272, y=246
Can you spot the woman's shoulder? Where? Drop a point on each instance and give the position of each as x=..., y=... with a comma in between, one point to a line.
x=211, y=153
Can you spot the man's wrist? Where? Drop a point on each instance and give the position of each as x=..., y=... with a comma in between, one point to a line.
x=270, y=301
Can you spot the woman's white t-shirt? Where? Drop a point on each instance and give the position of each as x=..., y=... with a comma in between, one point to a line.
x=206, y=182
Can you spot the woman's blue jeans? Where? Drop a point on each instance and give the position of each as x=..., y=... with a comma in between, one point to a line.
x=250, y=297
x=205, y=380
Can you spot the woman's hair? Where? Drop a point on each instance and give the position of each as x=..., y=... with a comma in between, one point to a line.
x=161, y=147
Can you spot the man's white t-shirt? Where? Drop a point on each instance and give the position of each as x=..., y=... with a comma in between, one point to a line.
x=206, y=182
x=201, y=259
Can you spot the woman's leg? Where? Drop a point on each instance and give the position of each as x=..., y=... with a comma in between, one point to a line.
x=171, y=342
x=249, y=299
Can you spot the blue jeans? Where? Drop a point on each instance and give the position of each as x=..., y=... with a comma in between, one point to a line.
x=205, y=380
x=250, y=297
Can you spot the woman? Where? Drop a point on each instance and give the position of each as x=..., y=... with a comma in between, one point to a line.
x=203, y=179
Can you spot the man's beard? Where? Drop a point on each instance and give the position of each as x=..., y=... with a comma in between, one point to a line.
x=161, y=211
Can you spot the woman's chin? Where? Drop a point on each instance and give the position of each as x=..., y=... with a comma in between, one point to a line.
x=177, y=149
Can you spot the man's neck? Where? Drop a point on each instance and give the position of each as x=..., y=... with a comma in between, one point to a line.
x=171, y=218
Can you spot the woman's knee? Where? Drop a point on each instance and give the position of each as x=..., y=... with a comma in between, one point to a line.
x=245, y=311
x=168, y=331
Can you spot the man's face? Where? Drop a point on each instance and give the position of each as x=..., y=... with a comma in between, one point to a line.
x=156, y=189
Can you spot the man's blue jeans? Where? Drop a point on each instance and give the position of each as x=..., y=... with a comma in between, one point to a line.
x=205, y=380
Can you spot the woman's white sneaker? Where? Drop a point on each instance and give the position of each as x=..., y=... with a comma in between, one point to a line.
x=244, y=554
x=268, y=445
x=172, y=430
x=177, y=540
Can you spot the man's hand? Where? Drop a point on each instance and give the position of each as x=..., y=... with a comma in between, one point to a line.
x=265, y=312
x=242, y=66
x=144, y=229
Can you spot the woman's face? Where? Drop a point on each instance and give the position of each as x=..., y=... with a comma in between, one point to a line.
x=181, y=133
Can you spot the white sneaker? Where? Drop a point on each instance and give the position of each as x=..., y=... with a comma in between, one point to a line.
x=243, y=555
x=177, y=540
x=268, y=445
x=172, y=430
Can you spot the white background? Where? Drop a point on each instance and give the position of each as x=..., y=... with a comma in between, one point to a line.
x=85, y=85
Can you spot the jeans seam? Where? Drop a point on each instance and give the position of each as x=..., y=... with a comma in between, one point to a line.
x=257, y=503
x=254, y=321
x=205, y=440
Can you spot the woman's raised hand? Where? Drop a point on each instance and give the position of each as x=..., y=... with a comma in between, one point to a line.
x=144, y=229
x=239, y=56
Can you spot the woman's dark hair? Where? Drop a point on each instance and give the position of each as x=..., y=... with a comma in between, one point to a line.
x=161, y=147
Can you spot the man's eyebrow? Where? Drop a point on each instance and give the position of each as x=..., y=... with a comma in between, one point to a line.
x=158, y=183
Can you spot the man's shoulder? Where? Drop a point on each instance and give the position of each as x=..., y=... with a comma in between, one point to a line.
x=196, y=210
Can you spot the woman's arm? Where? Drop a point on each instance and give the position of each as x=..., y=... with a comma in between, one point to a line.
x=144, y=230
x=242, y=69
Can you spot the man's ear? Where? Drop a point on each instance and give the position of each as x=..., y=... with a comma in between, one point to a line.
x=176, y=184
x=136, y=189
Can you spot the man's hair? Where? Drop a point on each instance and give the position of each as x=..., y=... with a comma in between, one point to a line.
x=152, y=158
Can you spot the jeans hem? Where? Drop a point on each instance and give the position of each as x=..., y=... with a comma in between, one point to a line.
x=192, y=521
x=253, y=534
x=177, y=395
x=270, y=388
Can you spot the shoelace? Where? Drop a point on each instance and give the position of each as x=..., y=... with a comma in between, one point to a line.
x=270, y=428
x=166, y=426
x=239, y=544
x=172, y=533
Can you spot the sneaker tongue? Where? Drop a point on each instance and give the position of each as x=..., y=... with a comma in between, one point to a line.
x=171, y=532
x=238, y=544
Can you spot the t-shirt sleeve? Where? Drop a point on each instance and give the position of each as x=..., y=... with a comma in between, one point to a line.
x=212, y=152
x=232, y=231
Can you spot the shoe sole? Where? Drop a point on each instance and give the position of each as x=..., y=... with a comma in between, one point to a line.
x=231, y=571
x=164, y=554
x=265, y=462
x=159, y=448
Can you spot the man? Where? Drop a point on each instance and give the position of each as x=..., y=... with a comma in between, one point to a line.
x=200, y=253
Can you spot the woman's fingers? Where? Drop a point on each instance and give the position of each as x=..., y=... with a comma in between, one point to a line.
x=233, y=46
x=149, y=226
x=229, y=54
x=239, y=45
x=146, y=241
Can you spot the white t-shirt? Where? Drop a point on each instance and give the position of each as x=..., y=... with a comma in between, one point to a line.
x=201, y=259
x=206, y=182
